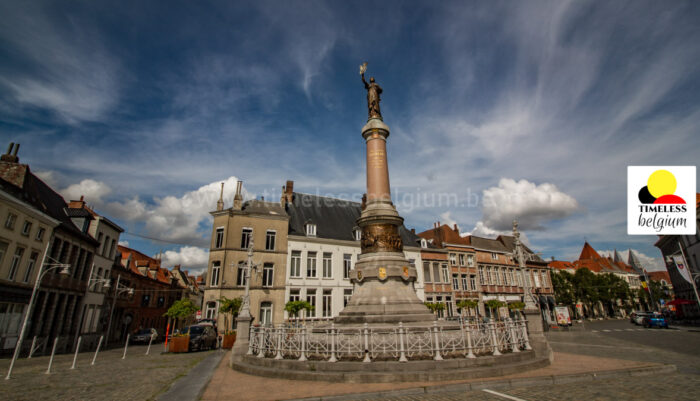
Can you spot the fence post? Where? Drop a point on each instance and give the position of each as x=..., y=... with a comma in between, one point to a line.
x=470, y=354
x=494, y=339
x=515, y=347
x=367, y=358
x=53, y=351
x=527, y=341
x=77, y=349
x=437, y=356
x=402, y=356
x=99, y=344
x=261, y=343
x=31, y=350
x=302, y=357
x=333, y=334
x=280, y=333
x=251, y=340
x=126, y=345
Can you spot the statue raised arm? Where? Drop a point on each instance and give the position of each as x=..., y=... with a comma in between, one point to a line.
x=373, y=92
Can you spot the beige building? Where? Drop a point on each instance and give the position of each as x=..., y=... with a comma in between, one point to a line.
x=266, y=224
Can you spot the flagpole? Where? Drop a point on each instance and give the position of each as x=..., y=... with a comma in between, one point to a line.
x=692, y=279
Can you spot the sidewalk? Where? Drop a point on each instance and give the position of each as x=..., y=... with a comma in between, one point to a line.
x=228, y=384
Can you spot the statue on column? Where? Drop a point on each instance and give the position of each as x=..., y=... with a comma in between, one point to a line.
x=373, y=92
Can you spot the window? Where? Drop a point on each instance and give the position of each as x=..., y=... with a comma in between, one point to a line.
x=15, y=263
x=461, y=259
x=211, y=310
x=453, y=259
x=105, y=250
x=311, y=298
x=295, y=268
x=347, y=294
x=161, y=301
x=294, y=295
x=494, y=256
x=146, y=299
x=497, y=276
x=268, y=274
x=445, y=273
x=512, y=277
x=266, y=313
x=215, y=271
x=482, y=280
x=270, y=240
x=40, y=234
x=30, y=266
x=504, y=273
x=219, y=237
x=423, y=243
x=327, y=265
x=455, y=282
x=426, y=272
x=311, y=264
x=327, y=299
x=470, y=260
x=112, y=248
x=537, y=278
x=465, y=283
x=544, y=278
x=347, y=265
x=448, y=304
x=357, y=234
x=10, y=221
x=99, y=239
x=489, y=276
x=311, y=229
x=520, y=278
x=3, y=250
x=240, y=277
x=246, y=235
x=440, y=313
x=472, y=281
x=412, y=262
x=26, y=228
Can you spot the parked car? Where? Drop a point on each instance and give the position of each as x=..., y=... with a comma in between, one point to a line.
x=143, y=336
x=655, y=320
x=202, y=337
x=639, y=317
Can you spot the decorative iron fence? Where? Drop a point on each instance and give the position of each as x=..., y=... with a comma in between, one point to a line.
x=388, y=343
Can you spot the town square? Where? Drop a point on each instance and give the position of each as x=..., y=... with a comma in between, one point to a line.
x=321, y=200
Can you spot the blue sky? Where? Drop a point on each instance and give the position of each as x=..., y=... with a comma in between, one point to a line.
x=511, y=109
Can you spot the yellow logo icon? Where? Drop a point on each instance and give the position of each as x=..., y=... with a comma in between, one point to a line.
x=382, y=273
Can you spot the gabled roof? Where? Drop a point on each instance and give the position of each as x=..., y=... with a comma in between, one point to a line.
x=334, y=218
x=588, y=252
x=255, y=206
x=634, y=261
x=561, y=265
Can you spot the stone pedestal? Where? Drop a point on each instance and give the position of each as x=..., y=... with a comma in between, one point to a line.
x=384, y=292
x=240, y=347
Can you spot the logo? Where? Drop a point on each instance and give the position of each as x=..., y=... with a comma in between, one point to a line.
x=661, y=200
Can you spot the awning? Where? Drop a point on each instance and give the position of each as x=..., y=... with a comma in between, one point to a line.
x=680, y=301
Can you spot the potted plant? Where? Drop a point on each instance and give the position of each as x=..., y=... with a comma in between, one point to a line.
x=181, y=310
x=231, y=307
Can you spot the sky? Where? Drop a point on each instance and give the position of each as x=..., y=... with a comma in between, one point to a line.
x=498, y=110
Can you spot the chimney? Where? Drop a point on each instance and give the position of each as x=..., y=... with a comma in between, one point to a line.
x=220, y=202
x=176, y=268
x=287, y=193
x=11, y=157
x=456, y=228
x=413, y=231
x=77, y=204
x=238, y=198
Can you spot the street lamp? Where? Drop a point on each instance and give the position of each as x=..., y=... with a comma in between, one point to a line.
x=245, y=307
x=43, y=269
x=118, y=289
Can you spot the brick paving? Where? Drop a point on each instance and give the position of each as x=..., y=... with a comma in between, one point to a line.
x=138, y=377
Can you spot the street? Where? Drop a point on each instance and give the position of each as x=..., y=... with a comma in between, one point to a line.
x=618, y=339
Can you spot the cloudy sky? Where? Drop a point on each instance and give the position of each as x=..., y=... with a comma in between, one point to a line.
x=498, y=110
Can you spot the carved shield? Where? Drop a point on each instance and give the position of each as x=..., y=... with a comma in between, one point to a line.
x=359, y=275
x=404, y=272
x=382, y=273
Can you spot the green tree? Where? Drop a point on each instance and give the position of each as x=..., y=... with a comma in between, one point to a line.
x=435, y=306
x=229, y=306
x=468, y=304
x=564, y=290
x=182, y=310
x=294, y=307
x=493, y=304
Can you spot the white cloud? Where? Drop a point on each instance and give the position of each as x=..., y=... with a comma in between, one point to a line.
x=481, y=230
x=531, y=204
x=92, y=190
x=124, y=243
x=190, y=258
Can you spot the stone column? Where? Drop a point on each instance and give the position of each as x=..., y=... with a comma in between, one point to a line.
x=240, y=347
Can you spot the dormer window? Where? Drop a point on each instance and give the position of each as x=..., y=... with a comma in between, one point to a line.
x=357, y=233
x=423, y=243
x=310, y=229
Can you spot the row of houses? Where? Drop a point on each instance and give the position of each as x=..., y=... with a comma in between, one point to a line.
x=305, y=247
x=90, y=286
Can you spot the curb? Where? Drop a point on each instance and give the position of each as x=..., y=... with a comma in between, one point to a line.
x=191, y=386
x=507, y=384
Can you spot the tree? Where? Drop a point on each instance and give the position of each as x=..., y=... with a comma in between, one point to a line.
x=231, y=307
x=467, y=304
x=294, y=307
x=182, y=309
x=564, y=289
x=435, y=306
x=493, y=304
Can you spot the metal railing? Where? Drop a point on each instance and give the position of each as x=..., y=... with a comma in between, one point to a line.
x=400, y=342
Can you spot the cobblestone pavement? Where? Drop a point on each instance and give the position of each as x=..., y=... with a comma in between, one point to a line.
x=138, y=377
x=610, y=339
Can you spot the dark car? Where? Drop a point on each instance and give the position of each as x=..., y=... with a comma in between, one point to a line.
x=143, y=336
x=655, y=320
x=201, y=337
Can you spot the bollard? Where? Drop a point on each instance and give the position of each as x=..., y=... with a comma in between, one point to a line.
x=261, y=340
x=333, y=331
x=437, y=356
x=470, y=354
x=367, y=358
x=53, y=351
x=302, y=358
x=99, y=344
x=31, y=350
x=494, y=339
x=402, y=356
x=148, y=350
x=280, y=331
x=77, y=349
x=126, y=345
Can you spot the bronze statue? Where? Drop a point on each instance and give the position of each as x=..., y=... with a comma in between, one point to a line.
x=373, y=92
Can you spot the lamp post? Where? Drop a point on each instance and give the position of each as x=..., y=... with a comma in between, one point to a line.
x=530, y=302
x=245, y=307
x=65, y=270
x=117, y=291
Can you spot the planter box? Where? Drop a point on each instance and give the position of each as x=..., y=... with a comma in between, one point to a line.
x=179, y=344
x=228, y=341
